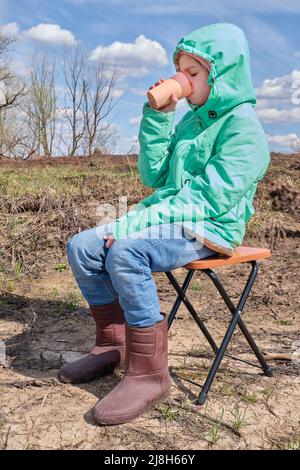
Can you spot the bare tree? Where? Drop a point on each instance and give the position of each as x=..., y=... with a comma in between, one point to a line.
x=39, y=105
x=89, y=92
x=74, y=61
x=10, y=87
x=12, y=141
x=98, y=94
x=11, y=90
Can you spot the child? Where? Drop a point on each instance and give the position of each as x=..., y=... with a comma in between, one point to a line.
x=211, y=164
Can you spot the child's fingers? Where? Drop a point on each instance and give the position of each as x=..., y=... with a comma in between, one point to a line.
x=109, y=240
x=157, y=83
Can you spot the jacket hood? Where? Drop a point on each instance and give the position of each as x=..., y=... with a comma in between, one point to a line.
x=225, y=46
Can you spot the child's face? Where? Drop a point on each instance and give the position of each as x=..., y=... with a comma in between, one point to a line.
x=197, y=75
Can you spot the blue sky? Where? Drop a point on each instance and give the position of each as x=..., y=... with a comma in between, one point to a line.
x=143, y=35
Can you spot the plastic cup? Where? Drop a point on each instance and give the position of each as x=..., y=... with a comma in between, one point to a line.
x=160, y=95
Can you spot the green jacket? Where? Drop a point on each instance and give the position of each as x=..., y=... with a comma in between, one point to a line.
x=205, y=172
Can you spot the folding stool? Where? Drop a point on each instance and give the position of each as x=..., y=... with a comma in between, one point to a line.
x=242, y=254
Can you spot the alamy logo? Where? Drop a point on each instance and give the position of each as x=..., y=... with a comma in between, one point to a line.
x=157, y=221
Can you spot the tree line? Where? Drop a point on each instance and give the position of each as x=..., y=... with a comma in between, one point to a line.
x=61, y=106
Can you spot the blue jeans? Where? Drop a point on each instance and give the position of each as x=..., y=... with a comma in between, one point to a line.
x=122, y=273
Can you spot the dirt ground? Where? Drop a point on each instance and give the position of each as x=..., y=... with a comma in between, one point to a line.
x=44, y=322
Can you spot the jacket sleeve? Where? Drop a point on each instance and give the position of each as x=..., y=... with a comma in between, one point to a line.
x=240, y=159
x=156, y=146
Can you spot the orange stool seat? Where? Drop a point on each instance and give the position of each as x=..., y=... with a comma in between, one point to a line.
x=241, y=254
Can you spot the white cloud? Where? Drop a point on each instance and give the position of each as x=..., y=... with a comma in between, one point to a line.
x=134, y=59
x=51, y=34
x=273, y=89
x=137, y=91
x=114, y=93
x=286, y=141
x=20, y=67
x=133, y=72
x=279, y=115
x=261, y=103
x=135, y=120
x=279, y=88
x=276, y=96
x=10, y=29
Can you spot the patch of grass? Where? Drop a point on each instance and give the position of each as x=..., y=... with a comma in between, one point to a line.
x=2, y=268
x=36, y=180
x=250, y=398
x=294, y=444
x=9, y=285
x=194, y=375
x=169, y=413
x=262, y=219
x=239, y=417
x=197, y=286
x=284, y=322
x=69, y=304
x=215, y=430
x=60, y=267
x=268, y=391
x=54, y=293
x=8, y=279
x=226, y=389
x=14, y=223
x=18, y=268
x=196, y=351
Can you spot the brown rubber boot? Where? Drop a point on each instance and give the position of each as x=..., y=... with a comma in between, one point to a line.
x=109, y=350
x=146, y=380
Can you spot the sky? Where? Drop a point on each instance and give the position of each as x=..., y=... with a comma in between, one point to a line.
x=142, y=35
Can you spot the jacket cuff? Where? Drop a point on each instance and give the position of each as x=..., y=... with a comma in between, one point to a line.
x=159, y=116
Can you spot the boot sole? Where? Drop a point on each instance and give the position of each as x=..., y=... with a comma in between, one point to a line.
x=98, y=376
x=124, y=420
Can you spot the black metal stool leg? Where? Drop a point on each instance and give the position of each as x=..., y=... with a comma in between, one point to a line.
x=213, y=276
x=179, y=298
x=182, y=298
x=238, y=311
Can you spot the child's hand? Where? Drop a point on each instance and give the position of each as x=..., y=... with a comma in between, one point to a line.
x=172, y=105
x=110, y=240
